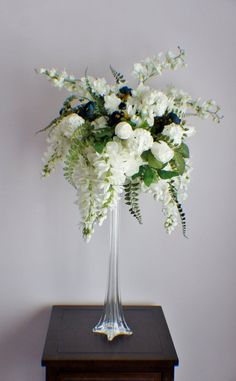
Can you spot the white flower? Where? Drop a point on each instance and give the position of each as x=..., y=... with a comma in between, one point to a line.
x=100, y=122
x=123, y=130
x=100, y=86
x=175, y=132
x=161, y=103
x=111, y=103
x=70, y=123
x=162, y=151
x=132, y=164
x=140, y=71
x=140, y=141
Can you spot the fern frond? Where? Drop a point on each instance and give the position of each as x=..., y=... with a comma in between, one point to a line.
x=53, y=124
x=118, y=76
x=132, y=199
x=174, y=197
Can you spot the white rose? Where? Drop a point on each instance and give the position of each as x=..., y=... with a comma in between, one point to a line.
x=162, y=151
x=123, y=130
x=111, y=103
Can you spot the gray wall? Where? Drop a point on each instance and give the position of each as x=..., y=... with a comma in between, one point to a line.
x=43, y=258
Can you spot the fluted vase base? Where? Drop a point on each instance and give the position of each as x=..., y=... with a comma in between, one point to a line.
x=111, y=330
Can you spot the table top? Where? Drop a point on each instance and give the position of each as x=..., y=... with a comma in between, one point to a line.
x=70, y=339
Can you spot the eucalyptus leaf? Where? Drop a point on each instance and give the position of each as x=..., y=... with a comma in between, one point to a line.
x=167, y=174
x=149, y=176
x=179, y=162
x=152, y=161
x=184, y=150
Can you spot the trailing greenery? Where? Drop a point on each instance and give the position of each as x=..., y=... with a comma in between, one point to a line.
x=71, y=161
x=173, y=193
x=132, y=189
x=50, y=164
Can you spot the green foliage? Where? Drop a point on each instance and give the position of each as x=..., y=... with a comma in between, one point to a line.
x=71, y=161
x=99, y=146
x=167, y=140
x=183, y=150
x=50, y=165
x=118, y=76
x=173, y=193
x=167, y=174
x=149, y=175
x=132, y=190
x=103, y=133
x=152, y=161
x=53, y=124
x=179, y=162
x=99, y=101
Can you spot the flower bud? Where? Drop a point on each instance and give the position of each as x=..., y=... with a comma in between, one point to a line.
x=123, y=130
x=162, y=151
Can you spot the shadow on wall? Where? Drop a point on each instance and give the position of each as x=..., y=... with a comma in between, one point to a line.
x=21, y=348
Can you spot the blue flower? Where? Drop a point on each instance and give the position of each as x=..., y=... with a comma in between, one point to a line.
x=174, y=118
x=125, y=90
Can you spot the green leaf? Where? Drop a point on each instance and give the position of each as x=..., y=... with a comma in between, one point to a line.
x=99, y=146
x=145, y=155
x=184, y=150
x=139, y=173
x=104, y=132
x=149, y=176
x=152, y=161
x=179, y=162
x=167, y=174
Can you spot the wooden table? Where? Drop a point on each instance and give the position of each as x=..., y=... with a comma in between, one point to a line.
x=74, y=353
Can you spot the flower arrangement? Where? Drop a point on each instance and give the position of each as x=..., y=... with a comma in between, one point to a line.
x=112, y=139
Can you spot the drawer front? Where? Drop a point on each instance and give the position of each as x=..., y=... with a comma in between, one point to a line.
x=111, y=377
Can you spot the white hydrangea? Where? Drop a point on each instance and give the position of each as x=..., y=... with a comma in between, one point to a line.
x=174, y=132
x=123, y=162
x=140, y=141
x=70, y=123
x=157, y=100
x=162, y=151
x=148, y=103
x=111, y=103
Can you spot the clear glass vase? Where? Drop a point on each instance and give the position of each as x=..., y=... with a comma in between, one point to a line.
x=112, y=322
